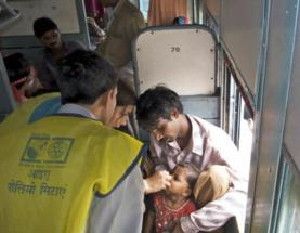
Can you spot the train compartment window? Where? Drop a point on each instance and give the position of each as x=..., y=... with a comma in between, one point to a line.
x=237, y=117
x=144, y=4
x=288, y=208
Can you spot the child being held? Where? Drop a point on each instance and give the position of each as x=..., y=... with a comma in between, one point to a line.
x=187, y=192
x=176, y=202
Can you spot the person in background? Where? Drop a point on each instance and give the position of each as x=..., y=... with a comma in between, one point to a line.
x=180, y=20
x=90, y=173
x=97, y=34
x=180, y=138
x=95, y=20
x=123, y=117
x=125, y=23
x=95, y=10
x=55, y=48
x=22, y=76
x=162, y=13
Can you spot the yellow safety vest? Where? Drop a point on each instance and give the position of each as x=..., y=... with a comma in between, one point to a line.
x=41, y=105
x=51, y=169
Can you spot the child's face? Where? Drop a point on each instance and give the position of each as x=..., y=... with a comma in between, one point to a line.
x=179, y=183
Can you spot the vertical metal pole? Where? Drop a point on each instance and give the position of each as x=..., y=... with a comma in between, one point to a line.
x=83, y=25
x=200, y=11
x=277, y=51
x=195, y=11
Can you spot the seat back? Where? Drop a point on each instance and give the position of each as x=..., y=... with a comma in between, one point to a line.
x=180, y=57
x=183, y=58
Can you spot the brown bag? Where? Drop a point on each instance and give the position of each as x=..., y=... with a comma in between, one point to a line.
x=211, y=185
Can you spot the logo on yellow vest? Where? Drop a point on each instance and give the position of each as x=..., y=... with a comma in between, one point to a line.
x=41, y=149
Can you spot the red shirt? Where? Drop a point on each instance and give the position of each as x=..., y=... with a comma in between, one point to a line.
x=165, y=216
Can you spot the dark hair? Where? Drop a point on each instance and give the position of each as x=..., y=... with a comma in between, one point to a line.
x=42, y=25
x=192, y=174
x=85, y=76
x=176, y=20
x=156, y=103
x=17, y=67
x=179, y=20
x=126, y=94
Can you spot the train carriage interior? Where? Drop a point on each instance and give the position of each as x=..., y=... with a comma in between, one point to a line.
x=233, y=63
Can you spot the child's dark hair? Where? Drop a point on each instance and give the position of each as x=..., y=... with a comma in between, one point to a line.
x=156, y=103
x=42, y=25
x=192, y=174
x=85, y=76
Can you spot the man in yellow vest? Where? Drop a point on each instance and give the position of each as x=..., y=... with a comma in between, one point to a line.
x=68, y=172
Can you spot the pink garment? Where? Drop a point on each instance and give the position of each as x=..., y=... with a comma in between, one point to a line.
x=209, y=145
x=94, y=8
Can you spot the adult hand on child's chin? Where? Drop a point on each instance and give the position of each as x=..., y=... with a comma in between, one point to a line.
x=177, y=228
x=159, y=181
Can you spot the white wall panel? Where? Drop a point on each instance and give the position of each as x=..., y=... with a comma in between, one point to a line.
x=182, y=58
x=64, y=13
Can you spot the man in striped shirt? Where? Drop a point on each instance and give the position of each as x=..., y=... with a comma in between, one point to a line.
x=177, y=138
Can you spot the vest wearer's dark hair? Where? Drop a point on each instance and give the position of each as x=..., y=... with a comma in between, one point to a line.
x=85, y=76
x=42, y=25
x=155, y=103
